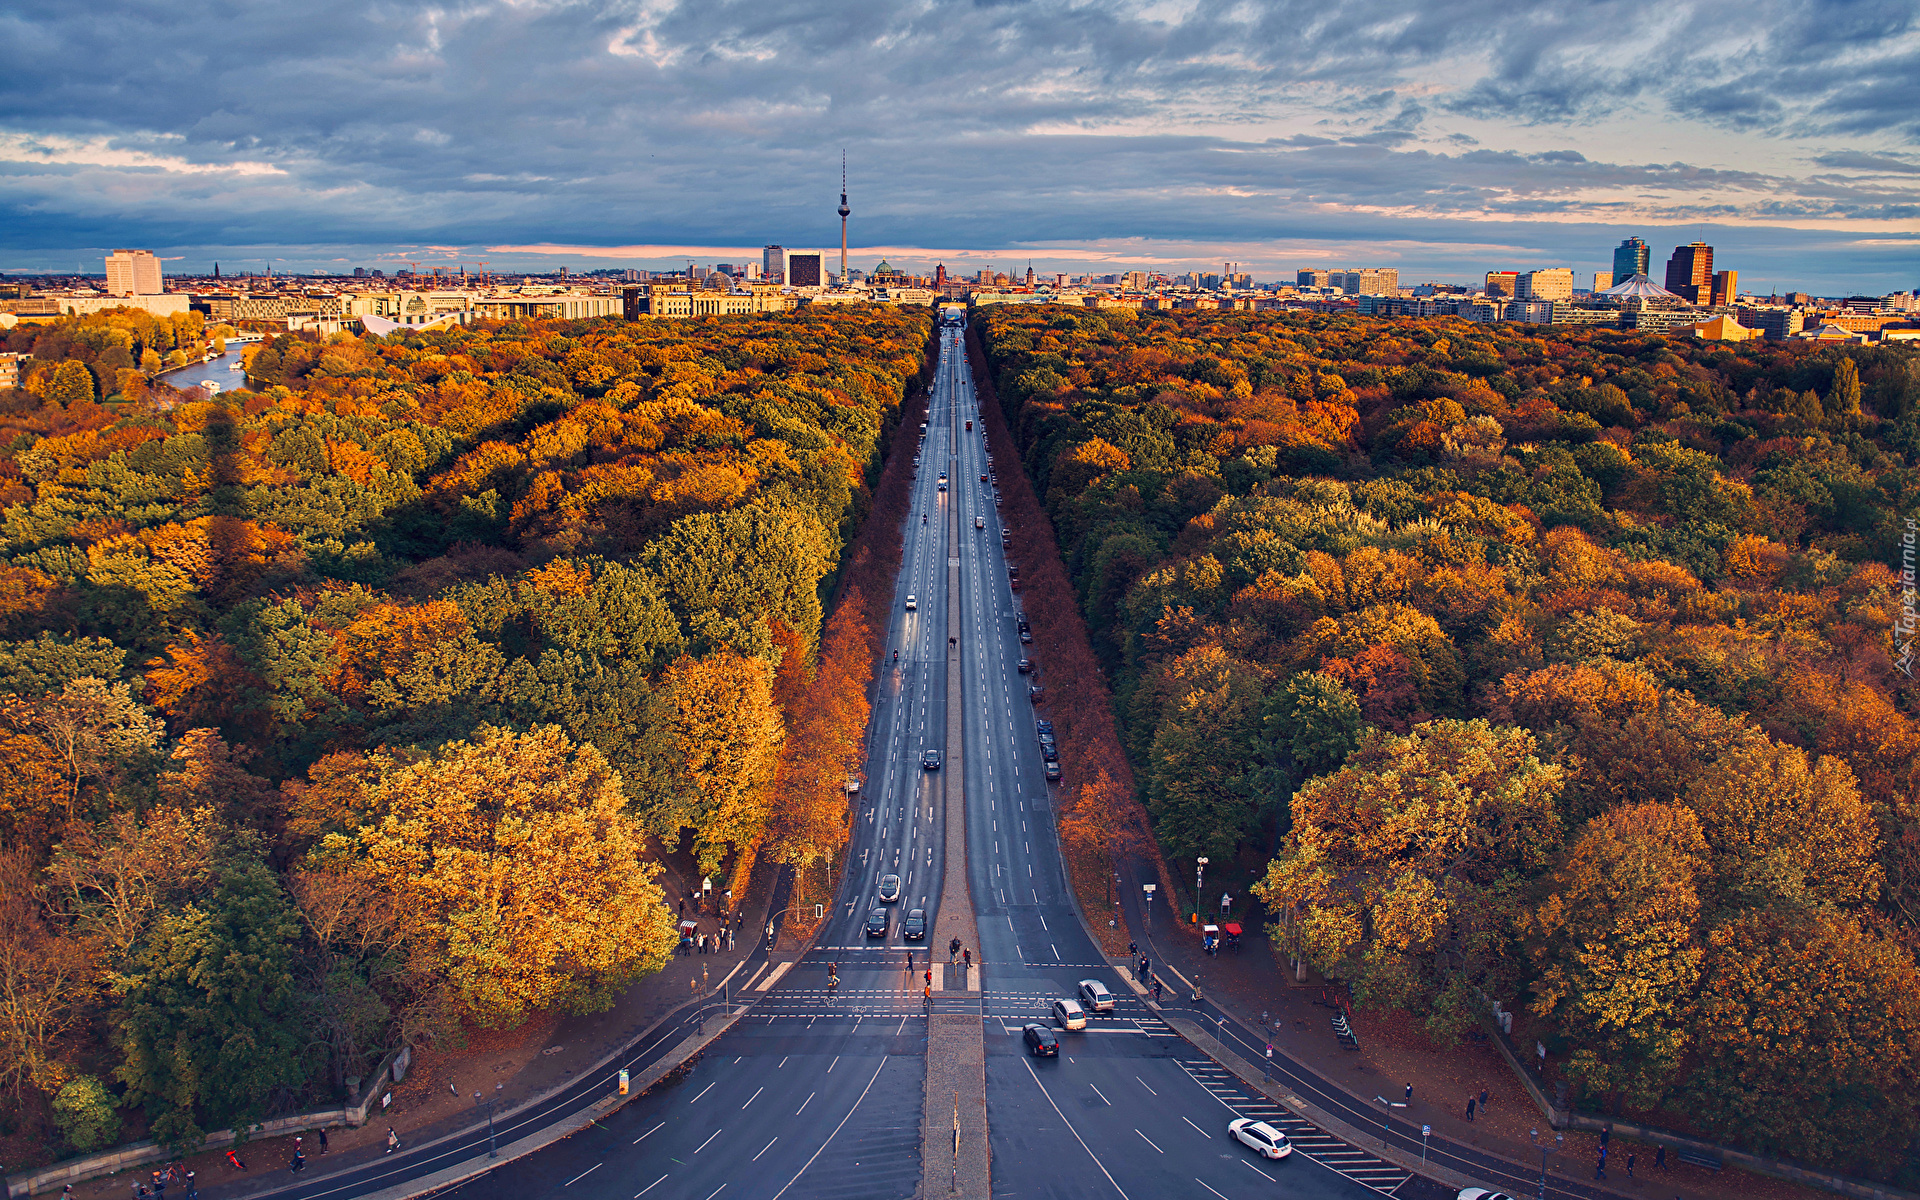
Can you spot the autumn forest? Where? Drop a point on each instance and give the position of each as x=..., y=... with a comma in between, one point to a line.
x=1549, y=667
x=338, y=711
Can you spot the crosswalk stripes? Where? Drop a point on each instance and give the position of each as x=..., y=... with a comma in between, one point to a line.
x=1366, y=1169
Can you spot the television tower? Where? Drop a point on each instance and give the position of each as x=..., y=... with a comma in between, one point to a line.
x=844, y=210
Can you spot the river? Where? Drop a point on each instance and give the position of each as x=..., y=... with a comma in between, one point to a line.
x=219, y=371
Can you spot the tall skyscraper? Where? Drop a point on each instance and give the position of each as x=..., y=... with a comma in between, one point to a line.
x=1502, y=283
x=844, y=210
x=1690, y=273
x=1631, y=257
x=1602, y=280
x=1312, y=277
x=133, y=273
x=773, y=263
x=1725, y=284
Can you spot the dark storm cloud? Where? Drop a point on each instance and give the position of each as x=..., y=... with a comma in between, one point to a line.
x=719, y=121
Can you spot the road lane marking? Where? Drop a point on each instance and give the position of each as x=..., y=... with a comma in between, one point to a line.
x=763, y=1150
x=723, y=1187
x=704, y=1091
x=643, y=1191
x=716, y=1133
x=752, y=1098
x=1149, y=1141
x=582, y=1175
x=649, y=1133
x=1196, y=1181
x=804, y=1103
x=1258, y=1171
x=1102, y=1095
x=1203, y=1133
x=1072, y=1130
x=835, y=1133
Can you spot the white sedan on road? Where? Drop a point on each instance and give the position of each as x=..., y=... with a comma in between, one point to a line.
x=1260, y=1136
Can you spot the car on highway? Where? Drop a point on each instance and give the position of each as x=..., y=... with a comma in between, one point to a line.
x=1053, y=772
x=913, y=605
x=983, y=479
x=1068, y=1014
x=877, y=923
x=1041, y=1042
x=1025, y=665
x=979, y=522
x=943, y=481
x=1095, y=996
x=930, y=760
x=914, y=928
x=1267, y=1141
x=889, y=889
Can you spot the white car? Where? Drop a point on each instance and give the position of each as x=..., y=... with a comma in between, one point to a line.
x=1481, y=1194
x=1095, y=996
x=1069, y=1015
x=1260, y=1136
x=912, y=604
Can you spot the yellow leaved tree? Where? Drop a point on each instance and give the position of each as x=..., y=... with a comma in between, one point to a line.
x=522, y=881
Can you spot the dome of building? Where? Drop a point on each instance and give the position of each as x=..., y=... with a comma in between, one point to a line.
x=1637, y=287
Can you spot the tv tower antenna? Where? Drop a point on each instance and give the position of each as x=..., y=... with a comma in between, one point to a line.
x=844, y=210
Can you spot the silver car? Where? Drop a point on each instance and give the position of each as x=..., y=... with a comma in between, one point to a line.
x=1095, y=996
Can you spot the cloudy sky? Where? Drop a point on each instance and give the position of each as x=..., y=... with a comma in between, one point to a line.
x=1445, y=137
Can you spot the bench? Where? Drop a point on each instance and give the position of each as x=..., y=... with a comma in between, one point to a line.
x=1698, y=1158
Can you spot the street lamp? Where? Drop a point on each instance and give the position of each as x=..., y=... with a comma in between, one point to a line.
x=1199, y=873
x=493, y=1146
x=1559, y=1140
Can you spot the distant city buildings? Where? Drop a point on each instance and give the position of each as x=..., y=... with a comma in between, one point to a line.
x=1503, y=283
x=773, y=264
x=1547, y=283
x=133, y=273
x=804, y=270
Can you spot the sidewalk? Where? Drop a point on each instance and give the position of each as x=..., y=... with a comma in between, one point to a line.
x=1249, y=986
x=514, y=1066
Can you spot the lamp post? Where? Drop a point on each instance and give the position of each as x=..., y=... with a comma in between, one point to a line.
x=493, y=1146
x=1199, y=874
x=1546, y=1148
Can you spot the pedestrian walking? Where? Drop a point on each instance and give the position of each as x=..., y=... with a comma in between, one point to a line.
x=323, y=1140
x=929, y=978
x=193, y=1187
x=966, y=958
x=1409, y=1092
x=1630, y=1159
x=1483, y=1100
x=953, y=949
x=299, y=1162
x=683, y=907
x=160, y=1184
x=1156, y=991
x=234, y=1158
x=393, y=1140
x=1660, y=1158
x=1469, y=1108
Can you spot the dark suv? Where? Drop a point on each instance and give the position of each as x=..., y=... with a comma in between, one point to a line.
x=931, y=760
x=877, y=923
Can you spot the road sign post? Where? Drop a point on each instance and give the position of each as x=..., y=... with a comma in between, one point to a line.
x=1426, y=1131
x=1148, y=889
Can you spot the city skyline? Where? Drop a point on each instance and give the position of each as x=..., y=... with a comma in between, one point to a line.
x=1109, y=135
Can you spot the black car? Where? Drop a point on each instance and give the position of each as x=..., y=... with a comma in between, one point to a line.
x=877, y=923
x=1044, y=726
x=1049, y=751
x=1026, y=637
x=931, y=760
x=1026, y=664
x=1041, y=1043
x=914, y=928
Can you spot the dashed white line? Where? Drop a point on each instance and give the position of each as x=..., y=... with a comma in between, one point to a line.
x=582, y=1175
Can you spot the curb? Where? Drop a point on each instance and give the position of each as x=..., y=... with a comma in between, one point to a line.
x=567, y=1127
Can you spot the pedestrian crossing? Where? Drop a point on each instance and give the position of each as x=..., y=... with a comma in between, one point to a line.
x=1368, y=1170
